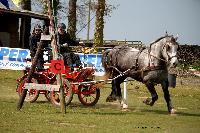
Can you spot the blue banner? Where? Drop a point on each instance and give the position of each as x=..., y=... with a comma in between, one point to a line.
x=92, y=60
x=14, y=59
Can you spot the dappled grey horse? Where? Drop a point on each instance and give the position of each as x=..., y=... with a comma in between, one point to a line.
x=147, y=65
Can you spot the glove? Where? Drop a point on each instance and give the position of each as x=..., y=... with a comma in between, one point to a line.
x=65, y=45
x=81, y=43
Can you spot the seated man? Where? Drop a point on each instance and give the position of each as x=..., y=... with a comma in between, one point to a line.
x=64, y=40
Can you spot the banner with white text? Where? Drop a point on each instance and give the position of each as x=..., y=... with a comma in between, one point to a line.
x=14, y=59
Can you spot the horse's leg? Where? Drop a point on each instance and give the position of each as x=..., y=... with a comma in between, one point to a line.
x=167, y=96
x=154, y=96
x=118, y=88
x=112, y=96
x=116, y=93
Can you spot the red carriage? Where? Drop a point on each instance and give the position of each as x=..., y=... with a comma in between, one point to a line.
x=80, y=80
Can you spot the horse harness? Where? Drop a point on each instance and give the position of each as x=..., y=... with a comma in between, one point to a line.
x=136, y=66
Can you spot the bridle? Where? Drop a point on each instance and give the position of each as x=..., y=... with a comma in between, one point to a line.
x=169, y=57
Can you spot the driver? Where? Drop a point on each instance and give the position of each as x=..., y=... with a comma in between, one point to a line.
x=65, y=41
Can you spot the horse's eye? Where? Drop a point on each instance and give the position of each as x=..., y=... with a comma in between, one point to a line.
x=167, y=47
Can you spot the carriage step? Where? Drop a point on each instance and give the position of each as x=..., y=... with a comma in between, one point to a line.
x=35, y=86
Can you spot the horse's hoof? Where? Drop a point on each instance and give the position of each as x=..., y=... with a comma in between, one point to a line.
x=148, y=101
x=126, y=110
x=125, y=106
x=110, y=99
x=172, y=111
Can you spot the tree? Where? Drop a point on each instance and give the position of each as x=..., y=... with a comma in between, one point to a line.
x=25, y=24
x=76, y=11
x=98, y=35
x=72, y=19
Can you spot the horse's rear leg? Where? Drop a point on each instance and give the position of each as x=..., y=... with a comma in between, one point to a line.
x=154, y=96
x=167, y=97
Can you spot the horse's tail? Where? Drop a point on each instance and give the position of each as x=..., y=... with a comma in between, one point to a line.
x=106, y=62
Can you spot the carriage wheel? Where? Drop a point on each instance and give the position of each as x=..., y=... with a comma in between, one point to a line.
x=68, y=94
x=32, y=94
x=88, y=95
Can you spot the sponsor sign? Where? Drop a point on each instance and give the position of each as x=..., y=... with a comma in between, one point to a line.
x=93, y=60
x=14, y=59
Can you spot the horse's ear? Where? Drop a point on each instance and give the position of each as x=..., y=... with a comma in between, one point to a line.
x=166, y=34
x=178, y=48
x=176, y=37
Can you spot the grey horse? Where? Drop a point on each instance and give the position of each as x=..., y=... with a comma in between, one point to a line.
x=147, y=65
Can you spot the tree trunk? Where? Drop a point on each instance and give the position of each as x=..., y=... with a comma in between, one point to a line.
x=30, y=74
x=72, y=19
x=55, y=53
x=98, y=35
x=25, y=25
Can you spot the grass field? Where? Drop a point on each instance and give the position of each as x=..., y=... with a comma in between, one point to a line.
x=104, y=117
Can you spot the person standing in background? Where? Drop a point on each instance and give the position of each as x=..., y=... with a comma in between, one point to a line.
x=34, y=39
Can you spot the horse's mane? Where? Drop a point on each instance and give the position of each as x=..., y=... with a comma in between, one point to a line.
x=159, y=39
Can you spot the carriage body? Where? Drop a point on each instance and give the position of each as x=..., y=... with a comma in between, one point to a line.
x=39, y=77
x=80, y=80
x=72, y=75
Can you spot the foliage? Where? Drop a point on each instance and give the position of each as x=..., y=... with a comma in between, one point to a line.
x=196, y=65
x=82, y=10
x=189, y=53
x=189, y=56
x=183, y=65
x=24, y=37
x=72, y=19
x=99, y=24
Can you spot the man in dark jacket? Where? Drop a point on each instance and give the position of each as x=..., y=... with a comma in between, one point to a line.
x=34, y=39
x=65, y=41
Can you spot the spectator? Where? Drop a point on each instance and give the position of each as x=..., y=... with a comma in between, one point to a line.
x=33, y=43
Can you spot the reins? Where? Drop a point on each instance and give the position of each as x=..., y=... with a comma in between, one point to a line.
x=155, y=56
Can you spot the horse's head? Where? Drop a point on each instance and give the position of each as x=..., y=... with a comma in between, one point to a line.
x=165, y=49
x=169, y=51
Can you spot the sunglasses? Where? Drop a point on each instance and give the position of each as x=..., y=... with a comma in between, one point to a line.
x=61, y=28
x=37, y=29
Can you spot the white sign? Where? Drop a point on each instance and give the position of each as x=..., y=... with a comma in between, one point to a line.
x=14, y=59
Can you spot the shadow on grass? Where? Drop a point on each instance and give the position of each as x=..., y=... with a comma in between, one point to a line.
x=188, y=114
x=166, y=112
x=115, y=109
x=42, y=102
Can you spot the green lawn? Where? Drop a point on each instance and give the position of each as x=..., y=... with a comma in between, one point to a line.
x=104, y=117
